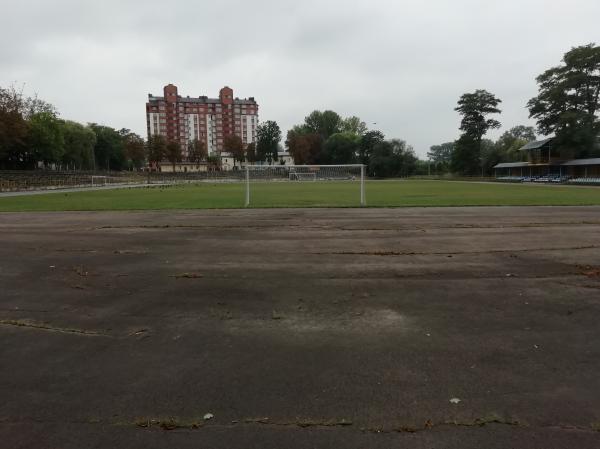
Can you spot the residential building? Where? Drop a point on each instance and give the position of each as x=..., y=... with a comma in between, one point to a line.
x=209, y=120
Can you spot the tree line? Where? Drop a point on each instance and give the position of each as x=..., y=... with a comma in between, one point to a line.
x=33, y=134
x=566, y=107
x=327, y=138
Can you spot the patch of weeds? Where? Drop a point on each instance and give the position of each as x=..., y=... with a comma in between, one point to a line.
x=170, y=423
x=328, y=423
x=589, y=271
x=489, y=419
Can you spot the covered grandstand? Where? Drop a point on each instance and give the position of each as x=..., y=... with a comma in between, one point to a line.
x=545, y=164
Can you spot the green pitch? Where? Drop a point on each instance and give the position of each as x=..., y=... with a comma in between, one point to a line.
x=308, y=194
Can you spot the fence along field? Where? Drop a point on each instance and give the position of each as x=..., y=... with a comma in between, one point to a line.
x=15, y=180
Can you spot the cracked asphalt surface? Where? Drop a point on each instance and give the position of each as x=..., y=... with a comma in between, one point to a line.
x=301, y=328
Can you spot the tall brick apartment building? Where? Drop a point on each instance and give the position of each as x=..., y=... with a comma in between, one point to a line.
x=207, y=119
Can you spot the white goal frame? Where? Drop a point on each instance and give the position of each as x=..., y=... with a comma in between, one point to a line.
x=299, y=171
x=103, y=178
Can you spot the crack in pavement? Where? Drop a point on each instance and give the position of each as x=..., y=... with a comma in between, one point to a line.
x=346, y=229
x=448, y=253
x=47, y=327
x=173, y=423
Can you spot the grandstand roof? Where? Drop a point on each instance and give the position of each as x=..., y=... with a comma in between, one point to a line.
x=511, y=165
x=537, y=144
x=591, y=161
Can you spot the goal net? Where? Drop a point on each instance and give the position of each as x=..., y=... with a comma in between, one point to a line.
x=294, y=176
x=350, y=179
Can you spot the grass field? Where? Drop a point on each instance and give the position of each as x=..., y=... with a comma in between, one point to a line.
x=308, y=194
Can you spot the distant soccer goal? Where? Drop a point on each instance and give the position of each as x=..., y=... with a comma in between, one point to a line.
x=99, y=180
x=350, y=173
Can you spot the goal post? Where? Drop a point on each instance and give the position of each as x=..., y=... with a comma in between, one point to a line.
x=354, y=173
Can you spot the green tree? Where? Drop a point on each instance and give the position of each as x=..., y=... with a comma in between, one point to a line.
x=490, y=156
x=475, y=109
x=79, y=145
x=173, y=153
x=323, y=123
x=353, y=125
x=367, y=143
x=251, y=152
x=422, y=167
x=133, y=148
x=16, y=111
x=441, y=156
x=567, y=103
x=13, y=138
x=392, y=158
x=156, y=150
x=304, y=148
x=466, y=158
x=109, y=150
x=233, y=144
x=341, y=148
x=268, y=136
x=510, y=142
x=197, y=151
x=45, y=138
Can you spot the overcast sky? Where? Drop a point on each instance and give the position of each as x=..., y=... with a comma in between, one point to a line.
x=401, y=64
